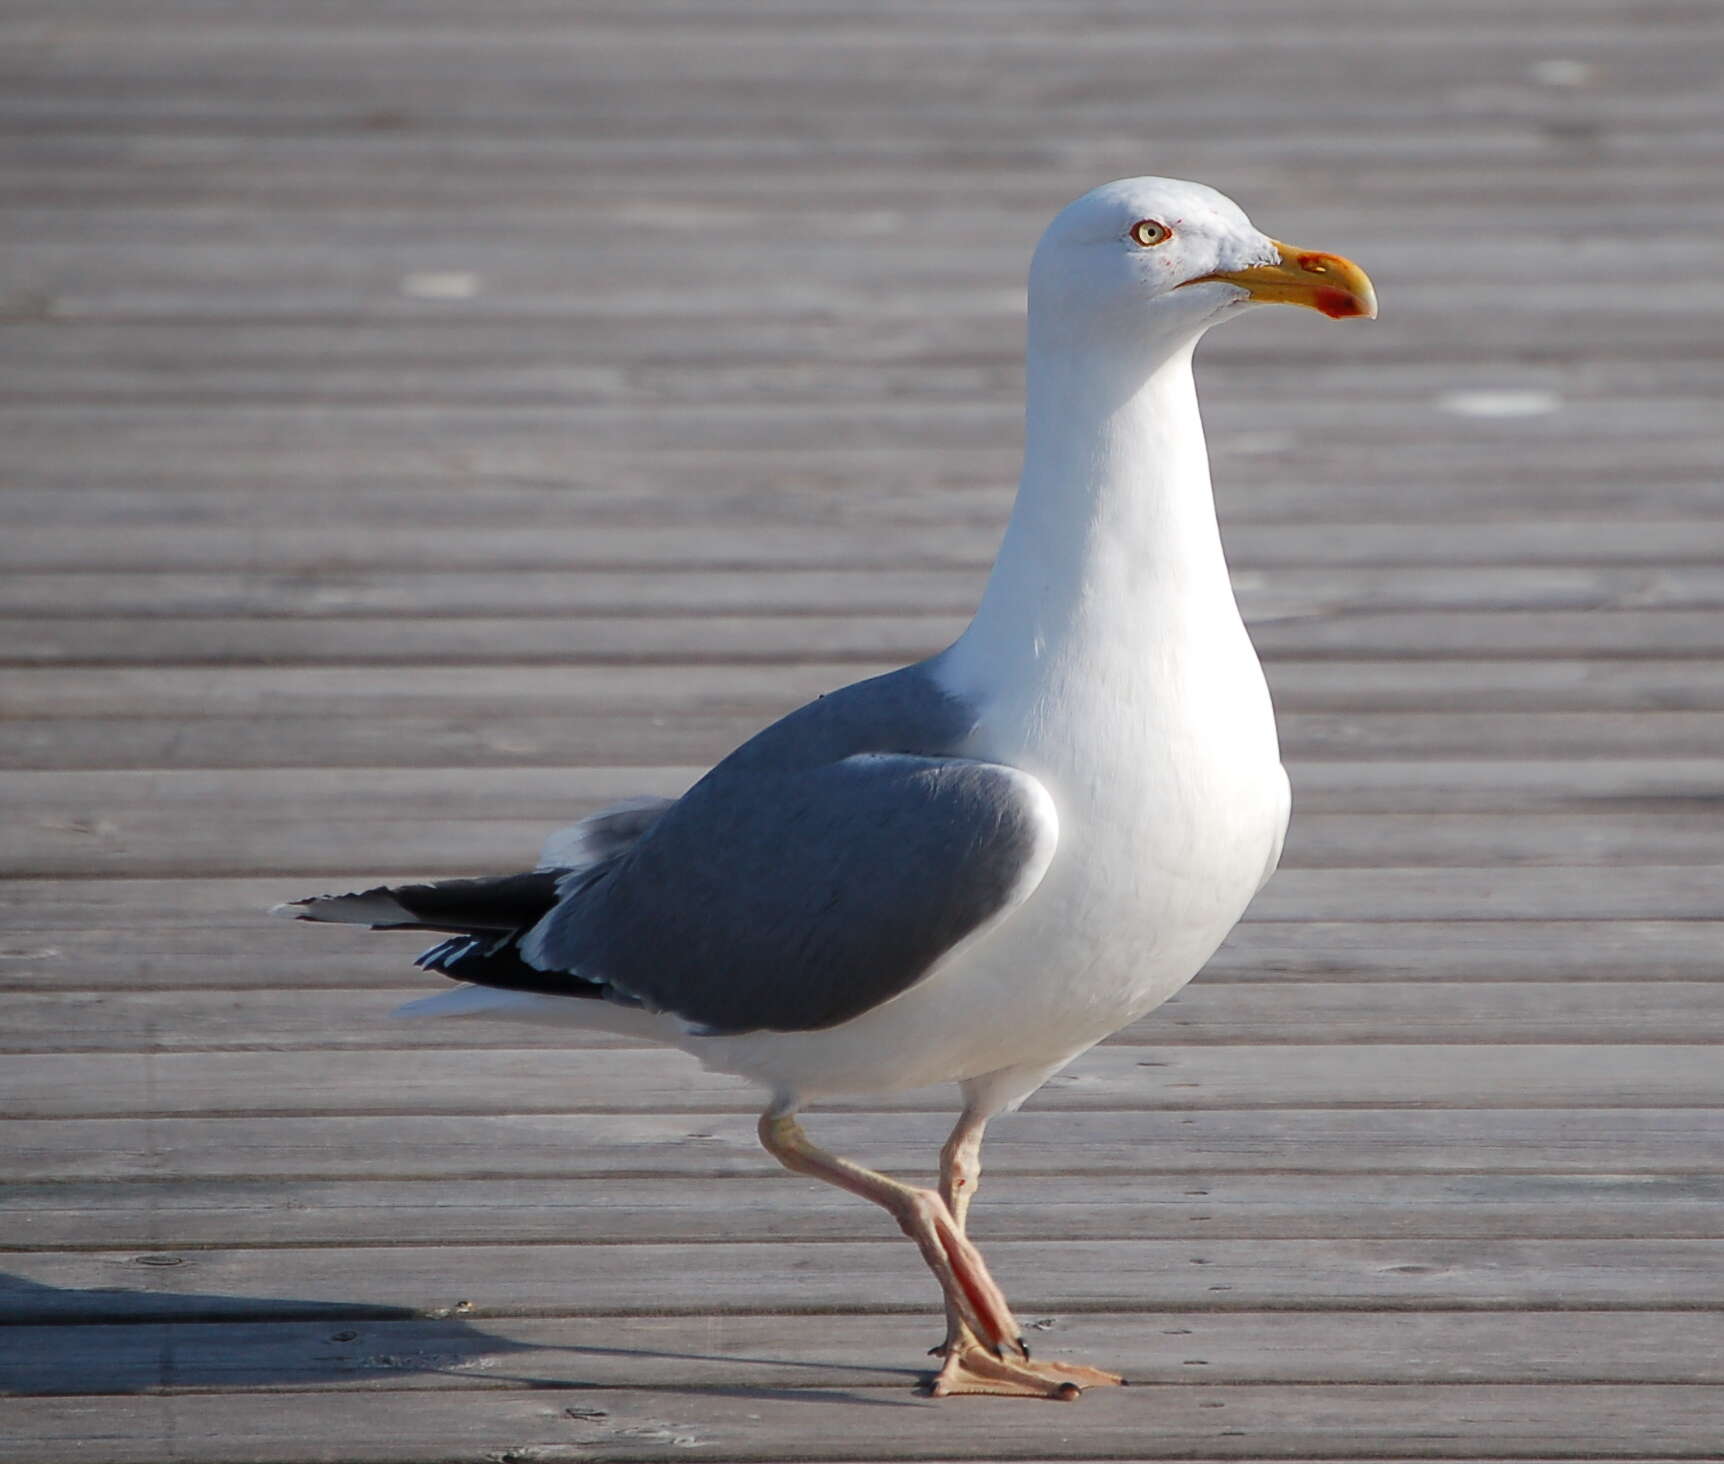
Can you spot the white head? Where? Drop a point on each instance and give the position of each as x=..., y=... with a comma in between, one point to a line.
x=1151, y=263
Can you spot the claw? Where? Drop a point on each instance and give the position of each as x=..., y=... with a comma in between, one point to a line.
x=971, y=1367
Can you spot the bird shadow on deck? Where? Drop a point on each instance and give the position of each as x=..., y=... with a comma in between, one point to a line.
x=115, y=1340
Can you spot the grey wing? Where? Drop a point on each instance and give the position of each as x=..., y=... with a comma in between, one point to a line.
x=792, y=900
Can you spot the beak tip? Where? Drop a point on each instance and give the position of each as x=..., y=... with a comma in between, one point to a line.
x=1346, y=304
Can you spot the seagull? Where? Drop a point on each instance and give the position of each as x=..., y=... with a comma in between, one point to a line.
x=973, y=869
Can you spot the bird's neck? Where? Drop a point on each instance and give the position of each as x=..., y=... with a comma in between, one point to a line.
x=1113, y=545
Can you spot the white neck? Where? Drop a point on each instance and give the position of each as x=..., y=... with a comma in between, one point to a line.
x=1113, y=545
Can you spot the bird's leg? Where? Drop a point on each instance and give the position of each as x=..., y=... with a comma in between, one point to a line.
x=922, y=1214
x=960, y=1173
x=967, y=1366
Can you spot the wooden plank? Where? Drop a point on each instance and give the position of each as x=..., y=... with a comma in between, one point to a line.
x=175, y=1214
x=803, y=32
x=654, y=1080
x=929, y=291
x=123, y=328
x=392, y=436
x=794, y=1351
x=783, y=541
x=149, y=844
x=368, y=471
x=1632, y=1141
x=899, y=170
x=1674, y=242
x=549, y=795
x=257, y=19
x=350, y=332
x=458, y=465
x=1376, y=1423
x=884, y=1275
x=1639, y=892
x=347, y=333
x=318, y=171
x=899, y=53
x=281, y=739
x=194, y=956
x=632, y=640
x=1277, y=593
x=809, y=453
x=251, y=1016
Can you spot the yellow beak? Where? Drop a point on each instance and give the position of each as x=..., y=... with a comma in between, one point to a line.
x=1326, y=282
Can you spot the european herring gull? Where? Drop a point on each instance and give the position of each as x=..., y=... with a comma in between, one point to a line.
x=972, y=869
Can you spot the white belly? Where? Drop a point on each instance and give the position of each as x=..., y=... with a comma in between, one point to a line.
x=1172, y=810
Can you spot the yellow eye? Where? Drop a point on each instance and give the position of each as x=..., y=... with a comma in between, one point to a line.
x=1150, y=232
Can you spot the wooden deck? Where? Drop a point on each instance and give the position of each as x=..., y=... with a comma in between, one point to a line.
x=427, y=420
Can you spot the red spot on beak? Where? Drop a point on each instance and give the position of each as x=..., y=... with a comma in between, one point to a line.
x=1337, y=304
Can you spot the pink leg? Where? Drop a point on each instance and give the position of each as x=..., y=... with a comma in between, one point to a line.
x=968, y=1367
x=970, y=1292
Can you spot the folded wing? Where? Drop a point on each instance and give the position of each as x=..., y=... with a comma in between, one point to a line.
x=797, y=899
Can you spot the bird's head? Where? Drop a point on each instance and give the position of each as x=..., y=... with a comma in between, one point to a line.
x=1158, y=261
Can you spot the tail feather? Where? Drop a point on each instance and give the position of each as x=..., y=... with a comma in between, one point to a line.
x=483, y=918
x=486, y=918
x=459, y=906
x=495, y=960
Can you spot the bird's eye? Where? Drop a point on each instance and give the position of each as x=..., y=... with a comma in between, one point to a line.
x=1150, y=232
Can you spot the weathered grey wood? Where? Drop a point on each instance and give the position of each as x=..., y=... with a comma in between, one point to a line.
x=801, y=1352
x=527, y=338
x=286, y=741
x=830, y=639
x=720, y=541
x=1377, y=1423
x=656, y=1080
x=395, y=437
x=742, y=339
x=151, y=1215
x=1280, y=480
x=189, y=957
x=1012, y=19
x=172, y=1213
x=149, y=843
x=545, y=796
x=370, y=170
x=637, y=693
x=1642, y=892
x=1263, y=594
x=535, y=325
x=1278, y=1009
x=1321, y=841
x=1633, y=1141
x=874, y=1276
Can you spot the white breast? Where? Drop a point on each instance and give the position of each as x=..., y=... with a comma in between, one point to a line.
x=1172, y=804
x=1107, y=659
